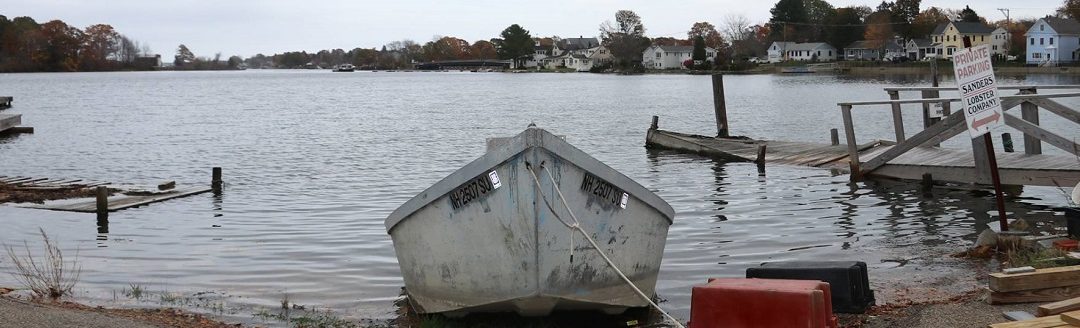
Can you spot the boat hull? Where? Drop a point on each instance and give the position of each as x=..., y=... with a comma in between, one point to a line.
x=501, y=248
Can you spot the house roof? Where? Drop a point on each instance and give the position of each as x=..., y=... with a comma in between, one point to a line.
x=972, y=28
x=578, y=43
x=861, y=44
x=782, y=44
x=808, y=46
x=676, y=48
x=939, y=29
x=1062, y=25
x=921, y=43
x=891, y=46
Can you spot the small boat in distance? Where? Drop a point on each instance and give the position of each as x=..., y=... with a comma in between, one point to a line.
x=345, y=68
x=497, y=235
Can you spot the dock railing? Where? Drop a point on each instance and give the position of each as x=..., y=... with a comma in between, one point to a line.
x=951, y=124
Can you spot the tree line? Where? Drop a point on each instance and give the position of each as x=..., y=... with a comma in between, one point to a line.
x=55, y=46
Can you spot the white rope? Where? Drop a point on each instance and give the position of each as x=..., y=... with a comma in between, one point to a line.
x=577, y=226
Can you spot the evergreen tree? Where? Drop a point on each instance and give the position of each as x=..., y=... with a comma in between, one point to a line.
x=516, y=44
x=786, y=17
x=968, y=15
x=699, y=49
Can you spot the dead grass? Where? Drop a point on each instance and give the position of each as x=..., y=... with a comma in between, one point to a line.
x=51, y=275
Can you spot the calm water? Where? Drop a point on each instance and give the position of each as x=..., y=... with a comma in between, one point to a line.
x=314, y=162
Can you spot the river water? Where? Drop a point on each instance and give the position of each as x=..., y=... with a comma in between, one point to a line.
x=314, y=162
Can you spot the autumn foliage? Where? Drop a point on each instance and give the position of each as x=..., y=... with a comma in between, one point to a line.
x=26, y=46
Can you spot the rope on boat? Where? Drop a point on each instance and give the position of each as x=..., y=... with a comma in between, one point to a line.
x=577, y=226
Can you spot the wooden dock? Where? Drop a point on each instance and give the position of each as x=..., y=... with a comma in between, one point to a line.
x=116, y=198
x=916, y=157
x=746, y=150
x=9, y=123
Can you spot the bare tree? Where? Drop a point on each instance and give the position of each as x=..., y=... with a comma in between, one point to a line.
x=736, y=27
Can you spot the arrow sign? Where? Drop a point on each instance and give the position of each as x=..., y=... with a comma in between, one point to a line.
x=978, y=89
x=993, y=118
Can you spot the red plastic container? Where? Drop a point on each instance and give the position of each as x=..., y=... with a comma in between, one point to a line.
x=781, y=303
x=1067, y=245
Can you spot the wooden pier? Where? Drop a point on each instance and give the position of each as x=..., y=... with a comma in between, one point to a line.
x=916, y=157
x=9, y=123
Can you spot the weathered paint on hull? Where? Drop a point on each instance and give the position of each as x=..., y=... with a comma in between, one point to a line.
x=506, y=251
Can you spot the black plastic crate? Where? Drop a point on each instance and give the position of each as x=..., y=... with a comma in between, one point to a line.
x=848, y=280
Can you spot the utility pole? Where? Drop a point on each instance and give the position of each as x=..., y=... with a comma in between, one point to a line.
x=1008, y=33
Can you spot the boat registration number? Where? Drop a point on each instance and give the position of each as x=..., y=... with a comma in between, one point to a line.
x=604, y=191
x=475, y=189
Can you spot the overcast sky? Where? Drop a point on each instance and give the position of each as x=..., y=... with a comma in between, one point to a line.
x=247, y=27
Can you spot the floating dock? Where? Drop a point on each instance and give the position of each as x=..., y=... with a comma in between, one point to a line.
x=916, y=157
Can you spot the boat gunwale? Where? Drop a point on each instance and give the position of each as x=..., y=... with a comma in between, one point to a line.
x=530, y=138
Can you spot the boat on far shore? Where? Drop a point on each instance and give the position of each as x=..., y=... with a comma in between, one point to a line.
x=345, y=68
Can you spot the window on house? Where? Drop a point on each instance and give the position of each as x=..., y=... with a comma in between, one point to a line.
x=1036, y=55
x=982, y=38
x=1041, y=27
x=1032, y=41
x=1051, y=41
x=1041, y=41
x=658, y=54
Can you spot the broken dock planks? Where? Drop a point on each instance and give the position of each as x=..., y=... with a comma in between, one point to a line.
x=735, y=149
x=121, y=202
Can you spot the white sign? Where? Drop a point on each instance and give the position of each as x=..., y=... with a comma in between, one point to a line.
x=495, y=183
x=978, y=89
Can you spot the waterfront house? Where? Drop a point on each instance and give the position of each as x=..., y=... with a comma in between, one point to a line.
x=862, y=50
x=777, y=51
x=1052, y=40
x=999, y=40
x=917, y=49
x=812, y=51
x=951, y=36
x=894, y=49
x=542, y=48
x=671, y=57
x=579, y=45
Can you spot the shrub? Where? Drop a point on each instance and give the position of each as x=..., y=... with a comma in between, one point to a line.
x=49, y=276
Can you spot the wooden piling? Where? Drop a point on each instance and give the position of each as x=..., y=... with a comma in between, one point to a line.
x=853, y=148
x=1030, y=112
x=215, y=180
x=655, y=123
x=102, y=201
x=927, y=183
x=720, y=106
x=897, y=116
x=834, y=135
x=761, y=159
x=1006, y=142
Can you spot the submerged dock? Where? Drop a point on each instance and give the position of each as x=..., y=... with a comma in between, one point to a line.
x=914, y=158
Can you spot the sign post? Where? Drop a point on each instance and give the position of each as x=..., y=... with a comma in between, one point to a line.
x=982, y=107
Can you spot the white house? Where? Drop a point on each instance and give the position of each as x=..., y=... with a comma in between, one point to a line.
x=778, y=51
x=862, y=50
x=917, y=49
x=999, y=40
x=1053, y=40
x=813, y=51
x=540, y=51
x=671, y=57
x=581, y=60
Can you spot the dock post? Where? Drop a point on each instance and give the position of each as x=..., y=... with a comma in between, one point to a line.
x=853, y=148
x=834, y=135
x=215, y=180
x=927, y=183
x=102, y=203
x=655, y=123
x=897, y=117
x=1006, y=142
x=1030, y=112
x=720, y=106
x=761, y=159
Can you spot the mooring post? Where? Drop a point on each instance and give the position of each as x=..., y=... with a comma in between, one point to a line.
x=102, y=202
x=1030, y=112
x=655, y=123
x=215, y=180
x=720, y=105
x=834, y=135
x=1006, y=142
x=761, y=159
x=927, y=183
